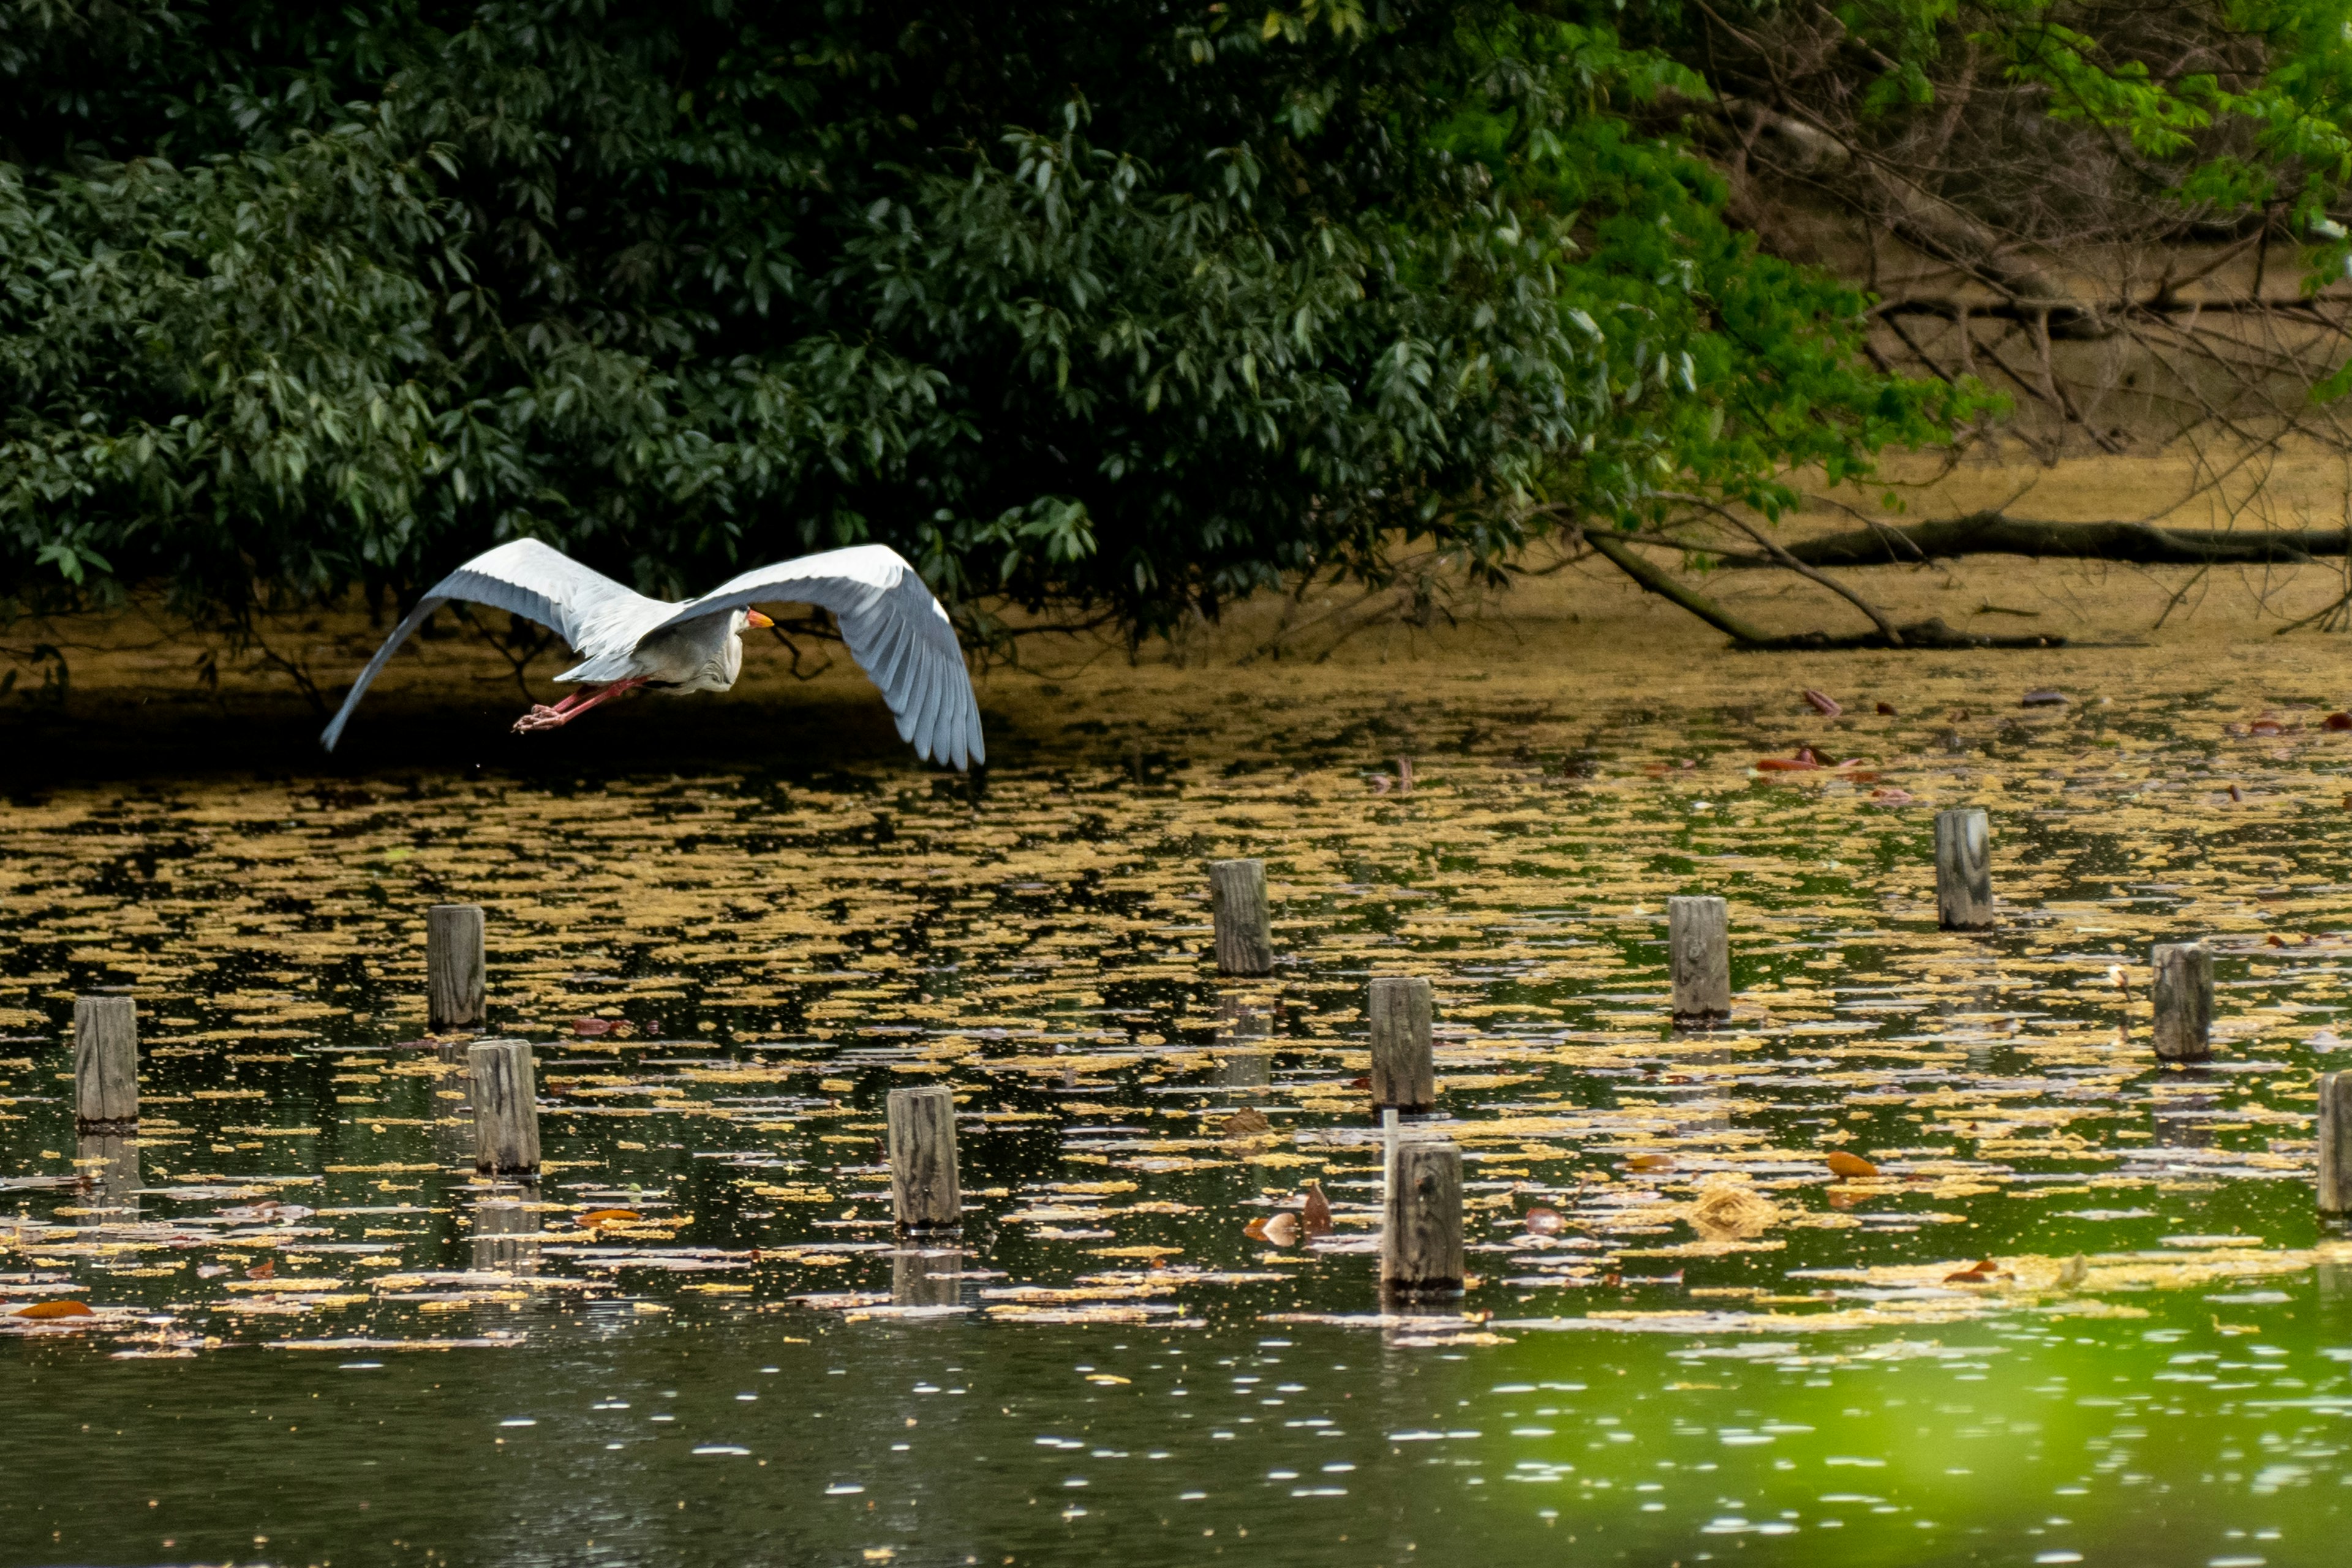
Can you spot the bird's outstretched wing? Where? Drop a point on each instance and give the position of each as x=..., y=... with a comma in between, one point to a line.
x=896, y=631
x=584, y=607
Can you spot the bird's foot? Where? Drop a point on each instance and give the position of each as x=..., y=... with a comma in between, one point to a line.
x=541, y=717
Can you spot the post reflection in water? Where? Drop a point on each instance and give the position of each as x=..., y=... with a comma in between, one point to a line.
x=927, y=1277
x=1244, y=1054
x=507, y=1229
x=107, y=1166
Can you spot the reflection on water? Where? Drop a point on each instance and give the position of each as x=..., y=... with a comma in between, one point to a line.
x=506, y=1229
x=2055, y=1305
x=108, y=1165
x=931, y=1277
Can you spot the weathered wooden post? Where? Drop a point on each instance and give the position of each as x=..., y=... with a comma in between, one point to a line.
x=2336, y=1143
x=506, y=1108
x=1699, y=946
x=454, y=970
x=1403, y=1012
x=1964, y=869
x=1244, y=923
x=924, y=1193
x=1421, y=1236
x=2184, y=1001
x=106, y=1064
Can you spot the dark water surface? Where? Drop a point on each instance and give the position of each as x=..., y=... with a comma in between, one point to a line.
x=727, y=974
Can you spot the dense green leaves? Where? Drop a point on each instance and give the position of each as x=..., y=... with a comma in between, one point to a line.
x=1139, y=307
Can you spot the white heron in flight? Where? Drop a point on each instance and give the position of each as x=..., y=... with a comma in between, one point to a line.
x=897, y=633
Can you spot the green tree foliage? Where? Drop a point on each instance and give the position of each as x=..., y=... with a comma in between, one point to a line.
x=1132, y=307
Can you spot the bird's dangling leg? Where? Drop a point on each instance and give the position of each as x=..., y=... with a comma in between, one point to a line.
x=546, y=718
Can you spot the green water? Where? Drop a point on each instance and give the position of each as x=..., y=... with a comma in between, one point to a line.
x=437, y=1369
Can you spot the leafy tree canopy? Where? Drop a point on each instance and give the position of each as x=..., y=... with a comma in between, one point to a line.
x=1132, y=307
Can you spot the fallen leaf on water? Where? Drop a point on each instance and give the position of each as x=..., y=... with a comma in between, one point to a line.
x=56, y=1309
x=1841, y=1163
x=2046, y=697
x=1784, y=766
x=1890, y=795
x=1317, y=1214
x=268, y=1270
x=595, y=1217
x=1544, y=1222
x=1728, y=1211
x=1280, y=1229
x=1979, y=1273
x=1823, y=703
x=2266, y=727
x=211, y=1271
x=2336, y=721
x=590, y=1029
x=1649, y=1162
x=1247, y=1122
x=1887, y=709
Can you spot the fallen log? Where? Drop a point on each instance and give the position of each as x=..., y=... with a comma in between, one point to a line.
x=1927, y=634
x=1997, y=533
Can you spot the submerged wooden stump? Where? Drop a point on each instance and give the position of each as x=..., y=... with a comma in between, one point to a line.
x=1402, y=1013
x=1964, y=869
x=1421, y=1239
x=2184, y=1001
x=506, y=1108
x=106, y=1064
x=1699, y=946
x=454, y=972
x=1244, y=923
x=924, y=1193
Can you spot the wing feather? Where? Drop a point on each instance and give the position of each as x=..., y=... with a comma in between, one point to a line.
x=927, y=709
x=587, y=610
x=896, y=631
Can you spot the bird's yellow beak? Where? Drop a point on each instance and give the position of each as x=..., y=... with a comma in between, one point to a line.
x=754, y=618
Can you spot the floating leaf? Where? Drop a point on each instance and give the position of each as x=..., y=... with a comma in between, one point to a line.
x=1247, y=1122
x=42, y=1310
x=1315, y=1215
x=1823, y=703
x=1850, y=1167
x=594, y=1218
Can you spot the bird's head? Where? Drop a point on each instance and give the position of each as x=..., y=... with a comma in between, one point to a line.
x=752, y=621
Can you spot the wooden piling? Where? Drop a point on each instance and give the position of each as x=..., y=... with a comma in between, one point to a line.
x=1244, y=923
x=2336, y=1143
x=1403, y=1013
x=1699, y=945
x=505, y=1097
x=1964, y=869
x=924, y=1193
x=106, y=1064
x=454, y=969
x=1421, y=1236
x=2184, y=1001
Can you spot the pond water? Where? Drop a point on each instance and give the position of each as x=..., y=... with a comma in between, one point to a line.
x=2073, y=1307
